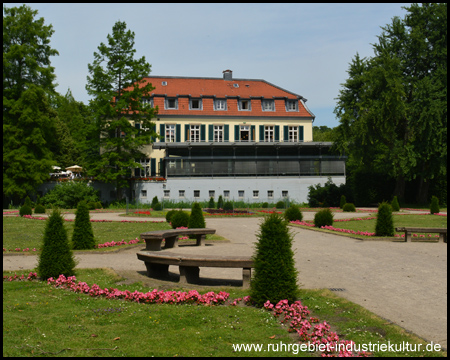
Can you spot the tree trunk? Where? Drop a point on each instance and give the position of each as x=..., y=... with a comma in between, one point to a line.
x=422, y=193
x=399, y=190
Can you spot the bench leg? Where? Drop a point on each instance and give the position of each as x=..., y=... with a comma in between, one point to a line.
x=442, y=237
x=189, y=274
x=407, y=236
x=157, y=270
x=171, y=242
x=200, y=240
x=153, y=245
x=246, y=277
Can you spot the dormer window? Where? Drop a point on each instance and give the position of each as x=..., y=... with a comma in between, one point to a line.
x=195, y=104
x=220, y=104
x=291, y=105
x=171, y=103
x=268, y=105
x=245, y=105
x=147, y=101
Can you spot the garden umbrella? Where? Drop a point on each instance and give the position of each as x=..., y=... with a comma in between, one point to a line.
x=74, y=168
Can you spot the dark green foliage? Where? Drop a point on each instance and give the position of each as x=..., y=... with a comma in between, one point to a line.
x=68, y=195
x=98, y=205
x=28, y=202
x=220, y=202
x=228, y=206
x=157, y=207
x=180, y=219
x=371, y=187
x=56, y=257
x=349, y=207
x=323, y=217
x=275, y=275
x=91, y=205
x=434, y=206
x=25, y=210
x=169, y=215
x=265, y=205
x=327, y=195
x=83, y=236
x=211, y=204
x=343, y=201
x=293, y=213
x=196, y=219
x=39, y=209
x=280, y=204
x=154, y=201
x=395, y=205
x=385, y=221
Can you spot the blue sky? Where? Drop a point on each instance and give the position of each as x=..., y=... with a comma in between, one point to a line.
x=303, y=48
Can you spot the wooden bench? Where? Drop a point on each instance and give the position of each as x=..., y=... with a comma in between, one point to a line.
x=153, y=239
x=409, y=230
x=157, y=264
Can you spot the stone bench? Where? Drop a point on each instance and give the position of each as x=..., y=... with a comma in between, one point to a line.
x=409, y=230
x=157, y=264
x=153, y=239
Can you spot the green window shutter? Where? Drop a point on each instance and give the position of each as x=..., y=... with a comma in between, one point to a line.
x=178, y=133
x=261, y=132
x=210, y=132
x=286, y=133
x=202, y=132
x=252, y=133
x=236, y=132
x=277, y=133
x=153, y=129
x=162, y=129
x=186, y=132
x=300, y=133
x=227, y=132
x=152, y=167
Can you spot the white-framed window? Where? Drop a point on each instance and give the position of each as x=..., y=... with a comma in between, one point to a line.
x=291, y=105
x=167, y=193
x=147, y=101
x=255, y=194
x=144, y=193
x=270, y=194
x=171, y=103
x=170, y=133
x=220, y=104
x=145, y=172
x=218, y=133
x=181, y=193
x=226, y=194
x=245, y=105
x=269, y=134
x=196, y=193
x=284, y=194
x=195, y=133
x=195, y=104
x=212, y=193
x=293, y=133
x=241, y=193
x=268, y=105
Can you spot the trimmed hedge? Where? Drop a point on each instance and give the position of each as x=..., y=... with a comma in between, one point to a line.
x=323, y=217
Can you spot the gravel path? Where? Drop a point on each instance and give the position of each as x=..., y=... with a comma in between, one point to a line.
x=405, y=283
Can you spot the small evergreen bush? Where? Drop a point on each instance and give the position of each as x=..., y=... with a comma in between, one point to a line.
x=385, y=221
x=67, y=195
x=90, y=205
x=180, y=219
x=28, y=202
x=293, y=213
x=265, y=205
x=83, y=235
x=395, y=205
x=349, y=207
x=434, y=206
x=154, y=201
x=211, y=204
x=169, y=215
x=56, y=257
x=280, y=204
x=220, y=202
x=196, y=219
x=157, y=206
x=25, y=210
x=275, y=275
x=39, y=209
x=343, y=201
x=323, y=217
x=228, y=206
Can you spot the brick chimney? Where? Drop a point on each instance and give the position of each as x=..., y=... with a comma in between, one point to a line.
x=227, y=75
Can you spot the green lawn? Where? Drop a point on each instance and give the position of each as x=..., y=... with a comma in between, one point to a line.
x=39, y=320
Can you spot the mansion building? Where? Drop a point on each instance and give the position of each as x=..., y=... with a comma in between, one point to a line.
x=244, y=139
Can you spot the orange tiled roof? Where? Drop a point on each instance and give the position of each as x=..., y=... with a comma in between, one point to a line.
x=208, y=88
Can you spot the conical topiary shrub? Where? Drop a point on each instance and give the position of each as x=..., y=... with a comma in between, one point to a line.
x=211, y=203
x=275, y=275
x=220, y=202
x=323, y=217
x=395, y=205
x=196, y=220
x=293, y=213
x=343, y=201
x=83, y=235
x=385, y=221
x=434, y=206
x=56, y=257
